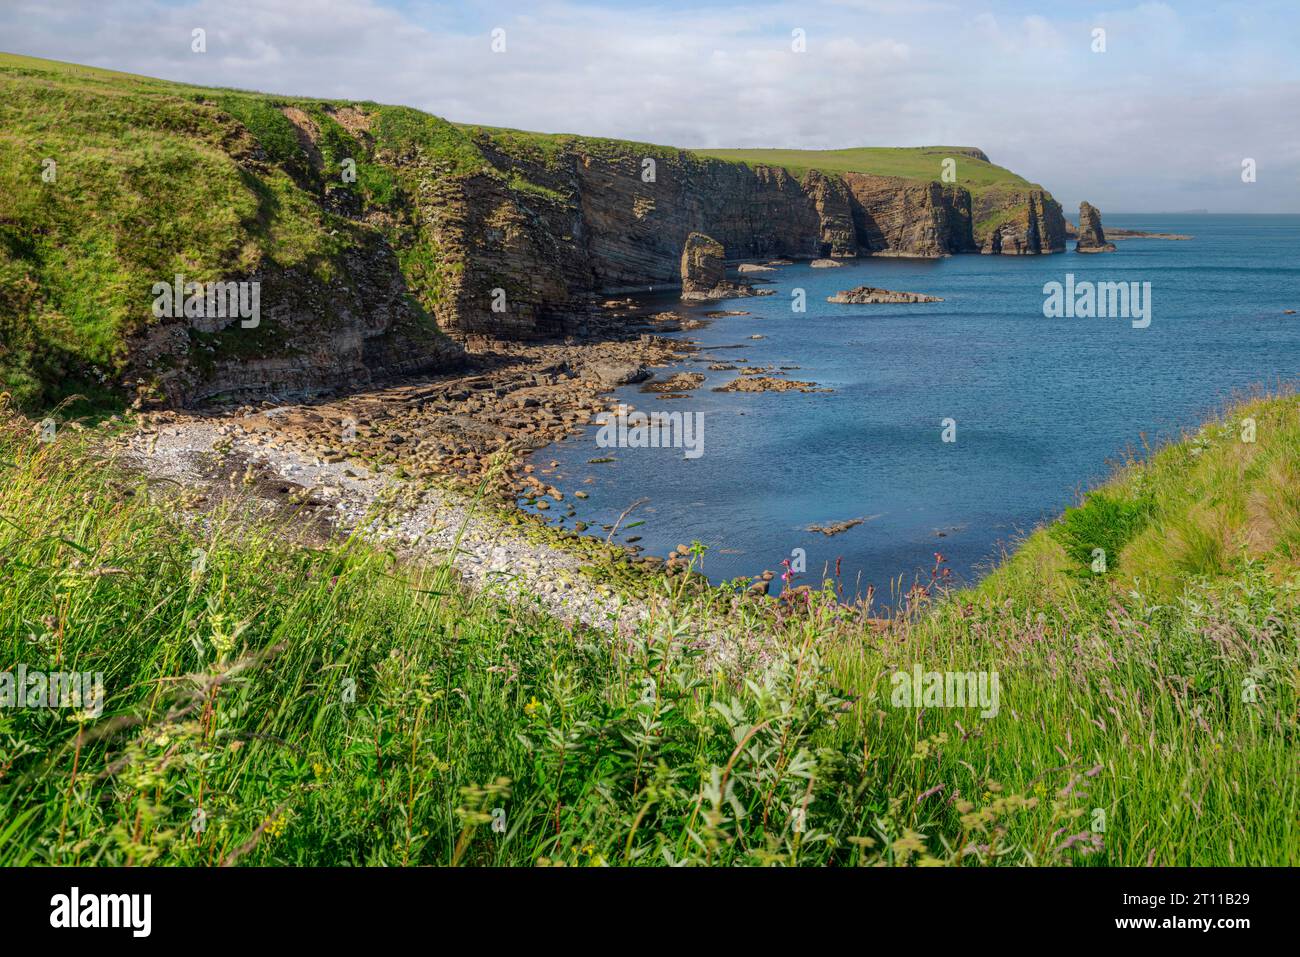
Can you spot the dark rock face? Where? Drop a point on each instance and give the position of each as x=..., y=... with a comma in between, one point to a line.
x=704, y=271
x=1091, y=237
x=1035, y=224
x=597, y=227
x=703, y=266
x=311, y=336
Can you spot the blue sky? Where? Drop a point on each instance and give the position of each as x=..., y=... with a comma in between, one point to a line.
x=1161, y=120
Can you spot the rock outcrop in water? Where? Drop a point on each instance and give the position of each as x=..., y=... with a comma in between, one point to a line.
x=704, y=271
x=1091, y=238
x=871, y=294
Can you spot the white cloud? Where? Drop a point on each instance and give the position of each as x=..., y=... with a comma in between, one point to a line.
x=1149, y=123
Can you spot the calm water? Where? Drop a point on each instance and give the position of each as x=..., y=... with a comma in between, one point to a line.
x=1041, y=405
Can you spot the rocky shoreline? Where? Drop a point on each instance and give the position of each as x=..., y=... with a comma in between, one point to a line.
x=216, y=459
x=419, y=450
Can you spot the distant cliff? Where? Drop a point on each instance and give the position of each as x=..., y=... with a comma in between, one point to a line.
x=588, y=221
x=380, y=236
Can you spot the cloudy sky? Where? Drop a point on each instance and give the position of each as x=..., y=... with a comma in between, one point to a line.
x=1161, y=120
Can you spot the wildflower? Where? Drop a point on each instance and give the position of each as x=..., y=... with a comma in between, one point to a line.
x=532, y=706
x=910, y=843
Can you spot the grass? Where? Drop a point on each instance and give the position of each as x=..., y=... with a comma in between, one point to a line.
x=152, y=179
x=921, y=163
x=272, y=703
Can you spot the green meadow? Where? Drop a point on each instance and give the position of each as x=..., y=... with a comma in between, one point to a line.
x=269, y=702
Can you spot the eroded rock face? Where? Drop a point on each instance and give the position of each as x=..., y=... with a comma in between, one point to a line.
x=897, y=217
x=596, y=227
x=872, y=294
x=703, y=265
x=499, y=260
x=310, y=336
x=1023, y=224
x=1091, y=237
x=704, y=272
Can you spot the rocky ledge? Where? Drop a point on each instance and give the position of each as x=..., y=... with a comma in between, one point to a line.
x=763, y=383
x=1113, y=234
x=681, y=382
x=871, y=294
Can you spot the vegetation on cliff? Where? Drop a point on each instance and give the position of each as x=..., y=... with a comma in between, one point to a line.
x=923, y=164
x=273, y=704
x=147, y=179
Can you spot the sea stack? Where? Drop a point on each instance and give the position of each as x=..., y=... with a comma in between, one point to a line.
x=1091, y=237
x=704, y=272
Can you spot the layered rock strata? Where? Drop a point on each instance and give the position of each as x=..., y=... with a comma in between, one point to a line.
x=1091, y=237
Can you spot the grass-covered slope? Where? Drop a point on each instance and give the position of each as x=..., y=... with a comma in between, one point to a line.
x=921, y=163
x=270, y=704
x=152, y=178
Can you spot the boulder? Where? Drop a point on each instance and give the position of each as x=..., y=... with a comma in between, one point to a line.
x=611, y=373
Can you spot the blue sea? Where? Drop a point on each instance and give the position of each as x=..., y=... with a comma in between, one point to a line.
x=1042, y=406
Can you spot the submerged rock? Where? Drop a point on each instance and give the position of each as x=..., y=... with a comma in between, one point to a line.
x=834, y=528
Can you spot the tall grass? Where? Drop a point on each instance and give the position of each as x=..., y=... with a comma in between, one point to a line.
x=277, y=703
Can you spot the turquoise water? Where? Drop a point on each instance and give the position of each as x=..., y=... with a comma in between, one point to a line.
x=1041, y=405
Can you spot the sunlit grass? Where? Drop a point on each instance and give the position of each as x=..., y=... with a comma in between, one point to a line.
x=271, y=703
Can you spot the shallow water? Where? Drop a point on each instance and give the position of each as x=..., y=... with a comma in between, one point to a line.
x=1041, y=405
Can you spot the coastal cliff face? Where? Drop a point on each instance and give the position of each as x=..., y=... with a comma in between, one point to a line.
x=440, y=232
x=592, y=222
x=311, y=335
x=1022, y=224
